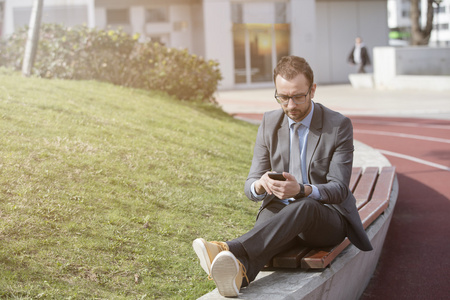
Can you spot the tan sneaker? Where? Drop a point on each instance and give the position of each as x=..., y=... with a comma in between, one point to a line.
x=207, y=251
x=228, y=273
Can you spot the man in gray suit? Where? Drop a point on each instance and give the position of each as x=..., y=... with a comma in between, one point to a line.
x=312, y=146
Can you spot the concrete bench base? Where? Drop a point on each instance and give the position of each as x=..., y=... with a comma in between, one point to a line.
x=345, y=279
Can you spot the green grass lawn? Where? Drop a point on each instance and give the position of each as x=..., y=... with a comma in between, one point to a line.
x=104, y=188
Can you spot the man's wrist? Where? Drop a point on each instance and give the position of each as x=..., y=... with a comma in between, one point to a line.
x=308, y=190
x=255, y=195
x=301, y=193
x=259, y=189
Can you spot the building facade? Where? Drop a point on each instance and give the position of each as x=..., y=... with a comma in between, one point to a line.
x=247, y=37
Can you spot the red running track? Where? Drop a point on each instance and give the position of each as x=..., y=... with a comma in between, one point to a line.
x=415, y=260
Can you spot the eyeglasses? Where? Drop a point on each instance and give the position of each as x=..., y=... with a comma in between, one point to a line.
x=297, y=99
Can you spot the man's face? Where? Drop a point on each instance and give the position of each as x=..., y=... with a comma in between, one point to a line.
x=296, y=86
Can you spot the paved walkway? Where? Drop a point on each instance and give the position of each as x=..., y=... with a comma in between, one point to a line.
x=348, y=101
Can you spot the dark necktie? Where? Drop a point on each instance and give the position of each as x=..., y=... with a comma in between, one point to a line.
x=295, y=161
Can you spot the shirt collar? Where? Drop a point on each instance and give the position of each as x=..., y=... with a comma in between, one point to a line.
x=307, y=120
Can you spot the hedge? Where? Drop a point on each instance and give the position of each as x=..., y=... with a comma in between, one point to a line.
x=114, y=56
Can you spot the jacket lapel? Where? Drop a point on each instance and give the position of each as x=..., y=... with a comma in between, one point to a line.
x=283, y=136
x=315, y=130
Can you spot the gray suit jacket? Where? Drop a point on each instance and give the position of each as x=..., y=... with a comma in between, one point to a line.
x=329, y=162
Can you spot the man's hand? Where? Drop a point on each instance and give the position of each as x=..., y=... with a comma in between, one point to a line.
x=281, y=189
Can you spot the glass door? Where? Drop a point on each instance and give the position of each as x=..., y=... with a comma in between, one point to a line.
x=260, y=39
x=240, y=46
x=257, y=48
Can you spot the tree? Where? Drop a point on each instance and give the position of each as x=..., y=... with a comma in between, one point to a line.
x=33, y=37
x=419, y=35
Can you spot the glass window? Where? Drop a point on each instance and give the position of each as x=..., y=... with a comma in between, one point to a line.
x=260, y=38
x=67, y=15
x=156, y=15
x=440, y=26
x=283, y=40
x=441, y=10
x=180, y=26
x=117, y=16
x=239, y=33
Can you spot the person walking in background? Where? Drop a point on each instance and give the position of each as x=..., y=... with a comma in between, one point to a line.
x=359, y=56
x=310, y=202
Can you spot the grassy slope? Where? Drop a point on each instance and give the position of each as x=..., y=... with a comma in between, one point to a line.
x=101, y=186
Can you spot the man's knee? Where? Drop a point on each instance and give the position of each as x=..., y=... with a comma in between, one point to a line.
x=308, y=205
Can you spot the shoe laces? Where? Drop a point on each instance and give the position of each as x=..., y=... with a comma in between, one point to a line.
x=244, y=271
x=223, y=246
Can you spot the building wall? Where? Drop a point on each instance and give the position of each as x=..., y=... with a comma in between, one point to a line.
x=219, y=39
x=304, y=37
x=68, y=12
x=197, y=32
x=338, y=23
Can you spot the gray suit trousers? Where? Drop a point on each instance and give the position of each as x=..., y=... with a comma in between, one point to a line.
x=280, y=226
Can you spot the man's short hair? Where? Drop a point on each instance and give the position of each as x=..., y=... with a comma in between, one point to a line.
x=290, y=66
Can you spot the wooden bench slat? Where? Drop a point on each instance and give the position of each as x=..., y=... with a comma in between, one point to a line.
x=320, y=258
x=356, y=174
x=291, y=258
x=384, y=184
x=380, y=198
x=365, y=186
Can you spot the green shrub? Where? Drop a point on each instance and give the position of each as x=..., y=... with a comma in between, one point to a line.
x=116, y=57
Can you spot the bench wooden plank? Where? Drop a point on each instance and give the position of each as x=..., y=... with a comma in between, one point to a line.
x=384, y=184
x=291, y=258
x=320, y=258
x=380, y=198
x=365, y=186
x=368, y=185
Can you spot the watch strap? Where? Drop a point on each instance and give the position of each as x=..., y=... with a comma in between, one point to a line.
x=300, y=194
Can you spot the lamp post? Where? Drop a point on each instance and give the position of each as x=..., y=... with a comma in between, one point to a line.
x=33, y=37
x=438, y=2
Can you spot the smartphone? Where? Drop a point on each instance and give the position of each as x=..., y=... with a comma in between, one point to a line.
x=277, y=176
